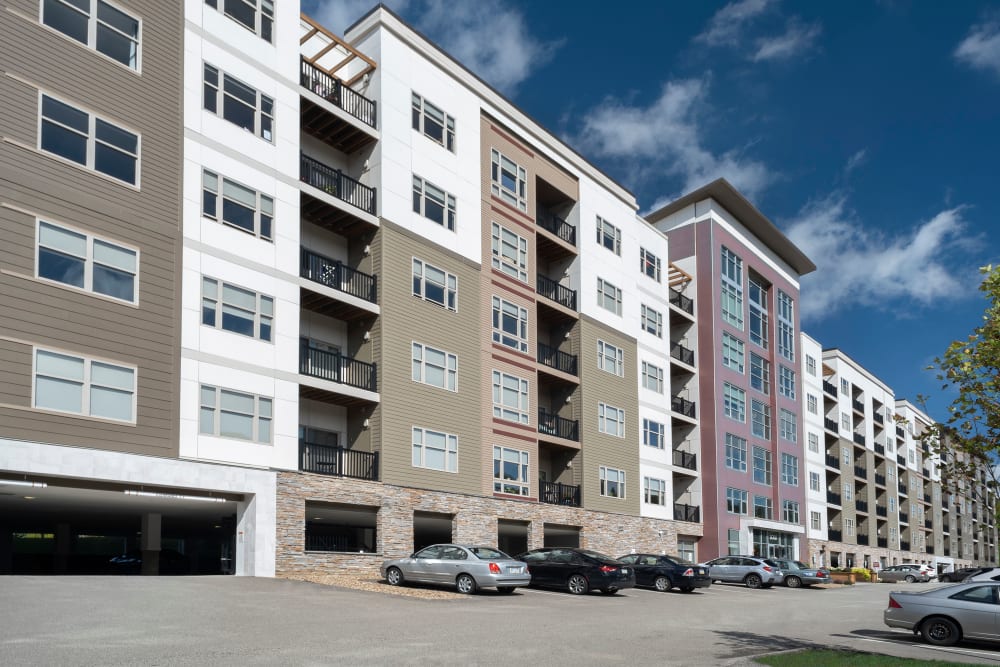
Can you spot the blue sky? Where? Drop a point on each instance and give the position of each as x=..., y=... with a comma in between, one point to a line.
x=867, y=131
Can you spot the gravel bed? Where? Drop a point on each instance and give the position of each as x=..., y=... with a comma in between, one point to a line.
x=362, y=582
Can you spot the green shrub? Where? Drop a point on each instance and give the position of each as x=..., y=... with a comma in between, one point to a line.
x=862, y=573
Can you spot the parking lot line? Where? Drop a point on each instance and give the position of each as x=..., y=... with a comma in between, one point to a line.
x=972, y=653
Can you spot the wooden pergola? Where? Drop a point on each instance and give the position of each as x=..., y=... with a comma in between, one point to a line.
x=333, y=46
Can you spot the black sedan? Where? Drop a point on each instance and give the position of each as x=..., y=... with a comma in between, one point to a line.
x=666, y=572
x=960, y=574
x=577, y=570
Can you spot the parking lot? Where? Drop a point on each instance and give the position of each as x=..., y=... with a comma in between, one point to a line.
x=227, y=620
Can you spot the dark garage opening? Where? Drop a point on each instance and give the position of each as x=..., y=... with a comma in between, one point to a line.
x=512, y=536
x=557, y=535
x=338, y=527
x=431, y=528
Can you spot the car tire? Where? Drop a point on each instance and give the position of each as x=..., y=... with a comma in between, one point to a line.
x=793, y=582
x=940, y=631
x=394, y=576
x=753, y=581
x=609, y=591
x=663, y=584
x=465, y=584
x=505, y=590
x=910, y=579
x=577, y=584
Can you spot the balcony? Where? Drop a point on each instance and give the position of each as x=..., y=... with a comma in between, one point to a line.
x=900, y=460
x=557, y=359
x=553, y=291
x=336, y=184
x=832, y=498
x=882, y=542
x=879, y=479
x=861, y=506
x=904, y=517
x=862, y=539
x=929, y=548
x=832, y=461
x=335, y=367
x=558, y=427
x=858, y=406
x=682, y=406
x=337, y=276
x=904, y=545
x=861, y=472
x=684, y=303
x=682, y=354
x=835, y=535
x=879, y=419
x=346, y=134
x=928, y=523
x=556, y=493
x=686, y=460
x=859, y=438
x=927, y=498
x=947, y=551
x=829, y=388
x=902, y=488
x=337, y=461
x=880, y=449
x=689, y=513
x=900, y=432
x=556, y=225
x=880, y=510
x=830, y=424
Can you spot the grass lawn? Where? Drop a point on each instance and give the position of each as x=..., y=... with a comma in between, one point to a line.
x=824, y=658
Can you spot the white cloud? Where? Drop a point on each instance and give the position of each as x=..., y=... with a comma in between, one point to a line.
x=797, y=39
x=981, y=47
x=855, y=161
x=726, y=25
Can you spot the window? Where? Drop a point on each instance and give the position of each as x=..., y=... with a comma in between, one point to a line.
x=849, y=527
x=761, y=466
x=760, y=374
x=433, y=123
x=732, y=288
x=609, y=236
x=813, y=442
x=610, y=358
x=510, y=324
x=257, y=16
x=435, y=285
x=510, y=253
x=811, y=365
x=238, y=103
x=90, y=141
x=510, y=182
x=789, y=470
x=653, y=434
x=510, y=397
x=844, y=386
x=736, y=452
x=815, y=520
x=435, y=367
x=733, y=535
x=654, y=491
x=786, y=382
x=435, y=450
x=845, y=453
x=87, y=262
x=845, y=421
x=788, y=425
x=734, y=402
x=789, y=511
x=763, y=507
x=652, y=377
x=786, y=326
x=434, y=203
x=812, y=404
x=510, y=471
x=67, y=383
x=847, y=490
x=235, y=309
x=98, y=25
x=760, y=419
x=241, y=207
x=609, y=297
x=814, y=481
x=685, y=549
x=736, y=502
x=610, y=420
x=732, y=352
x=892, y=503
x=758, y=312
x=652, y=321
x=612, y=482
x=235, y=414
x=649, y=264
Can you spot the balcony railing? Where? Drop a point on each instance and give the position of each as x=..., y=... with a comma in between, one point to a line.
x=879, y=449
x=556, y=493
x=880, y=510
x=682, y=354
x=553, y=291
x=877, y=416
x=928, y=523
x=829, y=388
x=690, y=513
x=902, y=488
x=835, y=535
x=947, y=552
x=859, y=438
x=858, y=405
x=904, y=545
x=927, y=498
x=861, y=505
x=832, y=498
x=335, y=275
x=682, y=406
x=686, y=460
x=683, y=302
x=904, y=517
x=832, y=461
x=900, y=432
x=929, y=548
x=861, y=472
x=900, y=460
x=862, y=539
x=882, y=542
x=557, y=359
x=335, y=367
x=559, y=427
x=337, y=461
x=336, y=184
x=830, y=424
x=336, y=93
x=556, y=225
x=880, y=479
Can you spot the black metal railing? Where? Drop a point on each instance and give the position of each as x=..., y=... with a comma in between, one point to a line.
x=686, y=460
x=829, y=388
x=928, y=523
x=880, y=479
x=900, y=460
x=682, y=406
x=929, y=548
x=335, y=367
x=556, y=225
x=557, y=493
x=557, y=359
x=861, y=505
x=553, y=291
x=947, y=552
x=832, y=461
x=832, y=498
x=904, y=517
x=682, y=354
x=881, y=510
x=879, y=449
x=882, y=542
x=861, y=472
x=862, y=539
x=336, y=184
x=902, y=488
x=900, y=432
x=330, y=460
x=336, y=275
x=835, y=534
x=831, y=424
x=904, y=545
x=927, y=498
x=859, y=438
x=559, y=427
x=691, y=513
x=683, y=302
x=877, y=416
x=858, y=405
x=335, y=92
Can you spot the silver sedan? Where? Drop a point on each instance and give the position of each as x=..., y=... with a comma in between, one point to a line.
x=945, y=615
x=466, y=567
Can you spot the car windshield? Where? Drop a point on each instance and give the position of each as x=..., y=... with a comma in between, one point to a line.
x=488, y=553
x=770, y=562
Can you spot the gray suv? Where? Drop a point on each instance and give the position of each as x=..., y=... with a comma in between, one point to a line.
x=753, y=571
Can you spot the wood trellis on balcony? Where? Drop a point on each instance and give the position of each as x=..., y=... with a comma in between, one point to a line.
x=328, y=52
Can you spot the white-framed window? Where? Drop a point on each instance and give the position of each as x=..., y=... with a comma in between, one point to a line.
x=760, y=419
x=609, y=297
x=786, y=381
x=510, y=253
x=87, y=262
x=763, y=507
x=235, y=414
x=649, y=264
x=786, y=326
x=812, y=404
x=510, y=324
x=609, y=236
x=435, y=367
x=231, y=308
x=789, y=511
x=733, y=356
x=652, y=377
x=732, y=288
x=758, y=312
x=82, y=386
x=788, y=426
x=845, y=421
x=845, y=386
x=892, y=503
x=88, y=140
x=848, y=490
x=845, y=454
x=239, y=206
x=652, y=321
x=98, y=25
x=510, y=397
x=433, y=123
x=815, y=520
x=813, y=442
x=435, y=285
x=434, y=203
x=612, y=482
x=510, y=471
x=736, y=501
x=610, y=358
x=849, y=527
x=232, y=100
x=654, y=491
x=814, y=484
x=736, y=452
x=509, y=181
x=811, y=365
x=685, y=549
x=257, y=16
x=760, y=374
x=789, y=469
x=761, y=466
x=434, y=450
x=610, y=420
x=653, y=434
x=734, y=402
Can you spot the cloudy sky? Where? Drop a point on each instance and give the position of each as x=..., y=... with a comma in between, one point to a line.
x=866, y=131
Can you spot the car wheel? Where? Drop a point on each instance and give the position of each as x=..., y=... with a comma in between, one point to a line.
x=394, y=576
x=793, y=582
x=506, y=590
x=609, y=591
x=753, y=581
x=940, y=631
x=663, y=584
x=466, y=585
x=577, y=584
x=910, y=579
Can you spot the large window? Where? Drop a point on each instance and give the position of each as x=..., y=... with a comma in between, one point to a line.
x=609, y=297
x=97, y=24
x=654, y=491
x=760, y=419
x=510, y=253
x=435, y=367
x=67, y=383
x=789, y=469
x=736, y=452
x=786, y=326
x=510, y=471
x=760, y=373
x=609, y=236
x=811, y=365
x=732, y=288
x=510, y=324
x=510, y=397
x=612, y=482
x=257, y=16
x=815, y=519
x=509, y=181
x=435, y=450
x=434, y=123
x=788, y=426
x=228, y=97
x=789, y=511
x=433, y=203
x=813, y=442
x=652, y=321
x=235, y=309
x=653, y=434
x=732, y=352
x=649, y=264
x=736, y=501
x=814, y=484
x=652, y=377
x=610, y=420
x=610, y=358
x=435, y=285
x=85, y=139
x=812, y=404
x=239, y=206
x=235, y=414
x=734, y=402
x=763, y=507
x=758, y=312
x=786, y=381
x=87, y=262
x=761, y=466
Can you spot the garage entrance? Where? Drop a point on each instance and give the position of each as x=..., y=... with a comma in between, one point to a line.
x=431, y=528
x=512, y=536
x=557, y=535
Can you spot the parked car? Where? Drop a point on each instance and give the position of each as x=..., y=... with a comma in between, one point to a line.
x=947, y=614
x=753, y=571
x=963, y=572
x=466, y=567
x=796, y=573
x=985, y=574
x=577, y=570
x=908, y=572
x=666, y=572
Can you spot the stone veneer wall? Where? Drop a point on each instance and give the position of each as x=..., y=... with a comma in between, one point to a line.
x=475, y=521
x=874, y=553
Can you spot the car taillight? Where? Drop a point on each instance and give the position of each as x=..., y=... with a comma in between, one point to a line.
x=767, y=568
x=893, y=604
x=821, y=574
x=494, y=568
x=688, y=572
x=608, y=568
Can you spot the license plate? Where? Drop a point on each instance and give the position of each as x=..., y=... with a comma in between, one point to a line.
x=515, y=570
x=625, y=571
